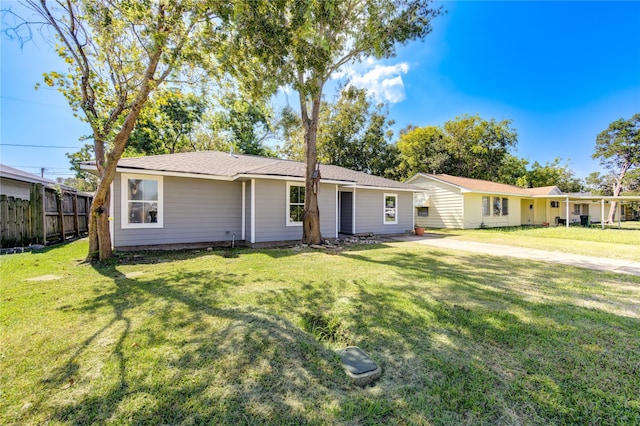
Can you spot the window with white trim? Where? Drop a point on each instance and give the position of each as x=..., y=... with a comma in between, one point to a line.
x=576, y=209
x=497, y=206
x=505, y=207
x=486, y=210
x=142, y=205
x=390, y=209
x=295, y=204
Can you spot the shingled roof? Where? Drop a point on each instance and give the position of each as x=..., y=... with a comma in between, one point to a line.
x=236, y=166
x=485, y=186
x=22, y=176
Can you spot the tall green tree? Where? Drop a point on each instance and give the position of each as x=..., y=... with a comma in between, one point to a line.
x=118, y=52
x=553, y=174
x=477, y=147
x=166, y=124
x=600, y=184
x=513, y=171
x=83, y=180
x=302, y=43
x=291, y=132
x=355, y=133
x=244, y=125
x=468, y=146
x=422, y=150
x=618, y=148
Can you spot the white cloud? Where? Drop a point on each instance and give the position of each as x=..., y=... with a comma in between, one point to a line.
x=384, y=82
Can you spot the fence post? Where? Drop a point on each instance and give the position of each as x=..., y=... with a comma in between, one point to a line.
x=76, y=222
x=4, y=219
x=36, y=213
x=60, y=206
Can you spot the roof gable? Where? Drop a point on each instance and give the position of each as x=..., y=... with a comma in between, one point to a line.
x=485, y=186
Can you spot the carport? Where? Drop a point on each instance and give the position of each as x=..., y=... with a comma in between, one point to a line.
x=601, y=200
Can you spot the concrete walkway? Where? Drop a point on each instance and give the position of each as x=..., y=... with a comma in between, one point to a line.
x=589, y=262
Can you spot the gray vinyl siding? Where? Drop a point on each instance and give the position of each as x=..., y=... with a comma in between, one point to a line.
x=446, y=209
x=370, y=212
x=271, y=212
x=195, y=211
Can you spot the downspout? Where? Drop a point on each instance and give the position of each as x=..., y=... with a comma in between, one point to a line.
x=337, y=213
x=112, y=215
x=253, y=211
x=244, y=211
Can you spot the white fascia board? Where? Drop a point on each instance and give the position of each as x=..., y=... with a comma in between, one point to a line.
x=435, y=179
x=508, y=194
x=555, y=196
x=288, y=178
x=607, y=198
x=174, y=174
x=163, y=173
x=383, y=188
x=419, y=175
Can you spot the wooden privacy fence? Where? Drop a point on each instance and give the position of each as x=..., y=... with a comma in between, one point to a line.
x=50, y=216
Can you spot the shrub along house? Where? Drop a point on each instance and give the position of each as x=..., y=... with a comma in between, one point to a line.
x=201, y=198
x=464, y=203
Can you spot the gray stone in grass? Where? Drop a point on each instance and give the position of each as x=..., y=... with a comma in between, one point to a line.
x=361, y=369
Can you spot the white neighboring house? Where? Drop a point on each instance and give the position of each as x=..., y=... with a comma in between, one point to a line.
x=465, y=203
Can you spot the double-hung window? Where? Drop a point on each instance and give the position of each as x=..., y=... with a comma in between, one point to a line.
x=295, y=204
x=390, y=209
x=142, y=205
x=486, y=209
x=497, y=206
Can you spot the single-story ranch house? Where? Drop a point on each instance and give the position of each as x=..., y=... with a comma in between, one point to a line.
x=199, y=198
x=464, y=203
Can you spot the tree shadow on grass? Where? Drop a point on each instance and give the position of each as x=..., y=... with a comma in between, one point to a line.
x=457, y=345
x=499, y=339
x=204, y=363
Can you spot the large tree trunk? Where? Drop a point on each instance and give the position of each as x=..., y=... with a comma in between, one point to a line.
x=612, y=212
x=100, y=235
x=94, y=247
x=617, y=189
x=311, y=220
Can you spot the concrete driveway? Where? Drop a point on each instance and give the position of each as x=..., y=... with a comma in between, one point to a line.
x=589, y=262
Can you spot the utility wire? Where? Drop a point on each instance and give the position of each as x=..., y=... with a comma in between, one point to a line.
x=9, y=98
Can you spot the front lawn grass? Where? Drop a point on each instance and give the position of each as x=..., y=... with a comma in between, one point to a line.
x=594, y=241
x=248, y=338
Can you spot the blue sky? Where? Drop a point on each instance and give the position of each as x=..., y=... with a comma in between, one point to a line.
x=562, y=71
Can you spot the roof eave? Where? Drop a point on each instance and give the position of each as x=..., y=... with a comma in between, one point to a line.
x=384, y=188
